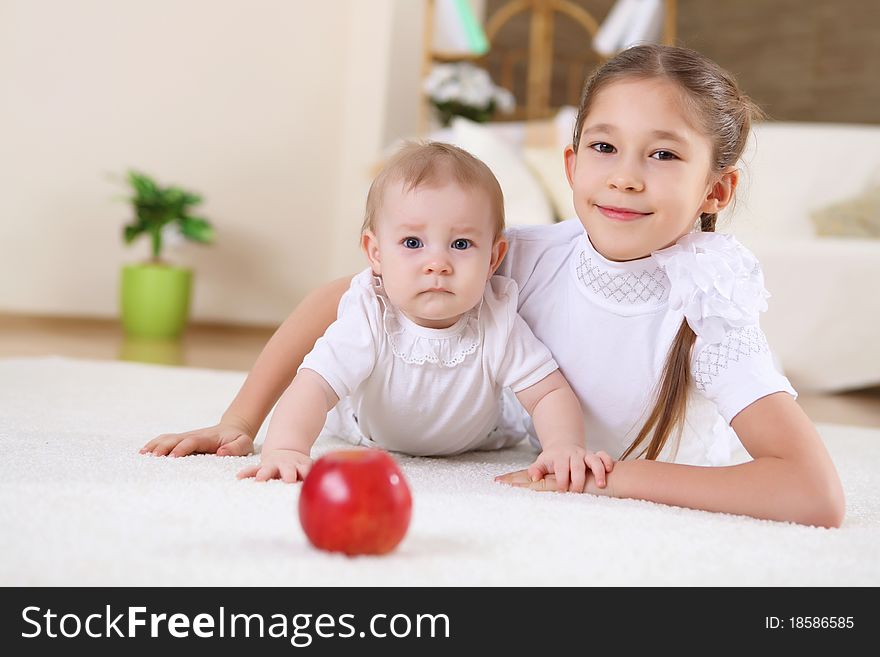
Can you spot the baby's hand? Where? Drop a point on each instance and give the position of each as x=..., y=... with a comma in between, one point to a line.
x=286, y=464
x=569, y=465
x=224, y=439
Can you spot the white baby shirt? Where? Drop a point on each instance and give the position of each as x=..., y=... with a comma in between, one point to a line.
x=423, y=391
x=610, y=325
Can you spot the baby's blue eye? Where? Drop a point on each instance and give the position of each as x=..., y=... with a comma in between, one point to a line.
x=412, y=242
x=461, y=244
x=602, y=147
x=666, y=155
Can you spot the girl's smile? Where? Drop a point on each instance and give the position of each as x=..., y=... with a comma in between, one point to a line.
x=642, y=174
x=621, y=214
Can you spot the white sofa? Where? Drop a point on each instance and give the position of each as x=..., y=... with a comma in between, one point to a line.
x=825, y=308
x=824, y=312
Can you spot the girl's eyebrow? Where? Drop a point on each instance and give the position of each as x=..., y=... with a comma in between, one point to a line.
x=607, y=128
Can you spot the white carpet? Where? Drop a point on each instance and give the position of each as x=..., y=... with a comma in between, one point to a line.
x=79, y=506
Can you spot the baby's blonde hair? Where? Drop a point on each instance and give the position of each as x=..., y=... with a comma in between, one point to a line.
x=433, y=163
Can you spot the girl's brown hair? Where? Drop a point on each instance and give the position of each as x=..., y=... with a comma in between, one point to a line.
x=712, y=98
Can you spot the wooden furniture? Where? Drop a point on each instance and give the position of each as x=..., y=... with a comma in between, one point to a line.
x=539, y=56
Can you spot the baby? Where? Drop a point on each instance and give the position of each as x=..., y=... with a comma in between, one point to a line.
x=426, y=339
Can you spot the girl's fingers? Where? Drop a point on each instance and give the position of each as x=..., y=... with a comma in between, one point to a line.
x=164, y=448
x=146, y=449
x=517, y=478
x=155, y=442
x=607, y=460
x=241, y=446
x=547, y=484
x=185, y=447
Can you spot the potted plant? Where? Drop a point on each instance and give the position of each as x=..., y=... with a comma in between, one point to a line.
x=155, y=295
x=464, y=89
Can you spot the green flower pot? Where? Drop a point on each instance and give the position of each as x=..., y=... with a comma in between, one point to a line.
x=155, y=300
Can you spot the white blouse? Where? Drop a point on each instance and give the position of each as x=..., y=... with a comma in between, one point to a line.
x=610, y=325
x=424, y=391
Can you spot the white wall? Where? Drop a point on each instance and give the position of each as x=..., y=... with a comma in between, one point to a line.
x=273, y=109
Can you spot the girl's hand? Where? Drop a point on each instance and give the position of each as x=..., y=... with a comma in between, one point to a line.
x=521, y=479
x=223, y=439
x=288, y=465
x=569, y=464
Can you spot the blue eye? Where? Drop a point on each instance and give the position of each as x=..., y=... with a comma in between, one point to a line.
x=602, y=147
x=671, y=156
x=412, y=243
x=461, y=244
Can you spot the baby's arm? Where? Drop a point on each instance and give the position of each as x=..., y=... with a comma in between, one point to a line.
x=269, y=377
x=559, y=422
x=296, y=423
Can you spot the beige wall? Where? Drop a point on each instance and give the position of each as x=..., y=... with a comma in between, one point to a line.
x=273, y=109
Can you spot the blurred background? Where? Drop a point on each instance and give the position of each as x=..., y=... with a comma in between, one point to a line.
x=275, y=114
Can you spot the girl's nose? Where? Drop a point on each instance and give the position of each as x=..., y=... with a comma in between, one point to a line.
x=626, y=177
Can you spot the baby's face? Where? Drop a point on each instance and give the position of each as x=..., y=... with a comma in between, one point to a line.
x=434, y=249
x=642, y=174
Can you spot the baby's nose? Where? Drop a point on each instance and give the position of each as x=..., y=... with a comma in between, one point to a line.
x=437, y=266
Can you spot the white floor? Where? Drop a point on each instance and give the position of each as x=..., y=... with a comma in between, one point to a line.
x=79, y=506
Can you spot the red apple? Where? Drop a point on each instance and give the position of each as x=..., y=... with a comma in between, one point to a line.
x=356, y=502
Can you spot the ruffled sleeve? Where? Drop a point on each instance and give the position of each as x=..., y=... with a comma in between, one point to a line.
x=718, y=285
x=346, y=354
x=519, y=358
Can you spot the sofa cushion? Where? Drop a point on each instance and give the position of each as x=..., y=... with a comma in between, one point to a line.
x=792, y=169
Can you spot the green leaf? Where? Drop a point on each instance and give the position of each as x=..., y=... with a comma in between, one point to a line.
x=144, y=187
x=190, y=199
x=131, y=232
x=155, y=206
x=197, y=229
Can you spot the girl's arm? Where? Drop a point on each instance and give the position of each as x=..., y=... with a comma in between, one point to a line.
x=269, y=377
x=277, y=363
x=791, y=478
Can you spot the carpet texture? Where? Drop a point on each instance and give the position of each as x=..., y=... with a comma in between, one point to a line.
x=80, y=506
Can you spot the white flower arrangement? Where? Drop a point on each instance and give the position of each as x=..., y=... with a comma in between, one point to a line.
x=463, y=89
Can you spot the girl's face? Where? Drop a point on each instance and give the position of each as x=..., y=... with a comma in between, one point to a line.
x=642, y=174
x=434, y=249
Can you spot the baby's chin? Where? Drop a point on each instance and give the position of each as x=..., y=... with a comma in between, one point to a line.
x=439, y=317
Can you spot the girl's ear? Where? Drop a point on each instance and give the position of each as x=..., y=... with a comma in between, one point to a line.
x=570, y=162
x=721, y=191
x=370, y=245
x=498, y=252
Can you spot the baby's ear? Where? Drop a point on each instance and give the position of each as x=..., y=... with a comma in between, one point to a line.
x=569, y=157
x=370, y=245
x=498, y=252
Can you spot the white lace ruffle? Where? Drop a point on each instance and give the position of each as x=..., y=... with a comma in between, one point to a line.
x=715, y=281
x=447, y=347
